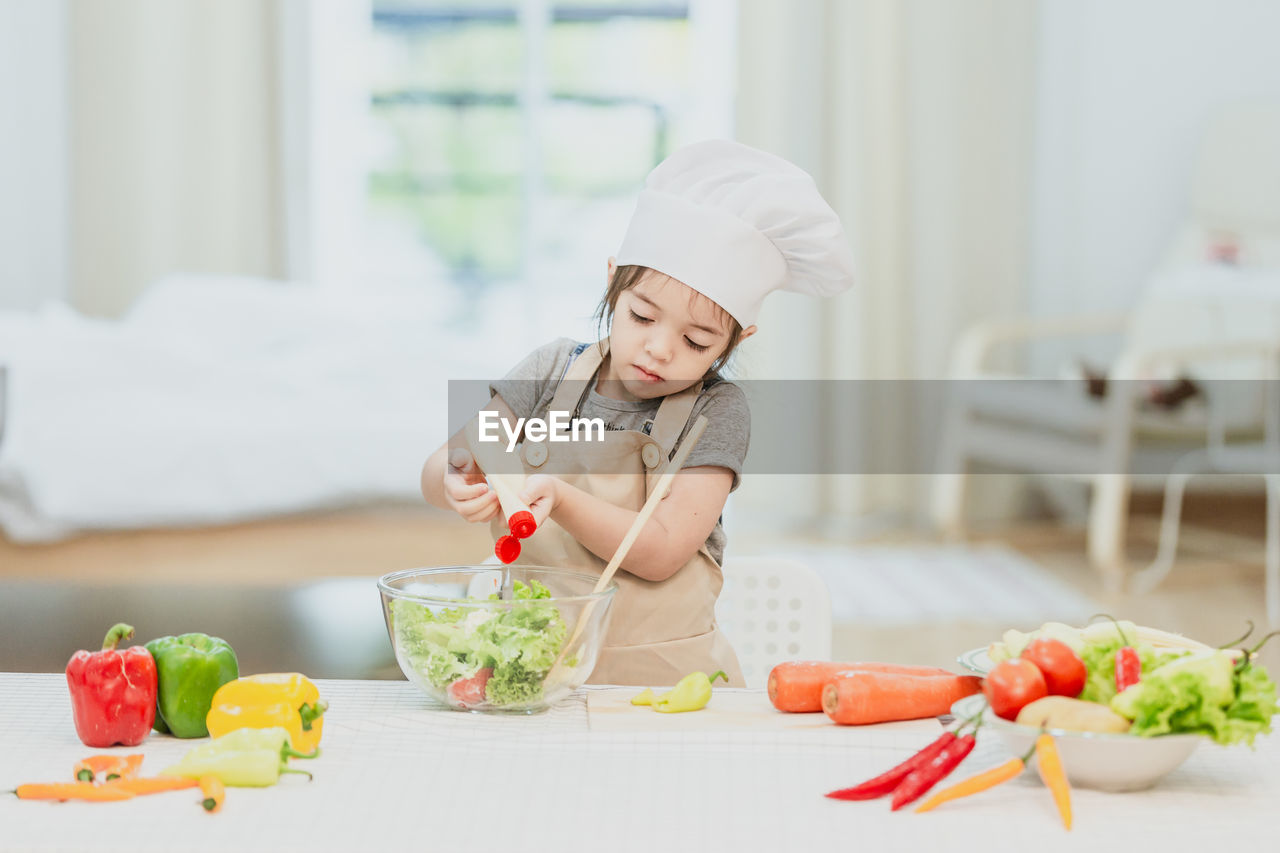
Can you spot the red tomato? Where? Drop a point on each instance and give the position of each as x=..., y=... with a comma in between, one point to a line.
x=1064, y=672
x=469, y=692
x=1013, y=684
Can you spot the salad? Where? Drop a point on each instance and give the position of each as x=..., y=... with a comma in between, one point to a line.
x=1118, y=676
x=477, y=655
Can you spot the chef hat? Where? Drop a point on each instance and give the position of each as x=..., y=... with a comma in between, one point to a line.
x=735, y=224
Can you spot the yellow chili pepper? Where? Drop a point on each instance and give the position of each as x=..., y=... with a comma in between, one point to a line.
x=644, y=697
x=286, y=699
x=691, y=693
x=974, y=784
x=983, y=781
x=1049, y=765
x=213, y=791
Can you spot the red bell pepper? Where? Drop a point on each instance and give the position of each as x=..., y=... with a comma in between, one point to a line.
x=113, y=692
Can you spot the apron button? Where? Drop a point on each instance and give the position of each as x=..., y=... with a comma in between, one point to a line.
x=651, y=455
x=535, y=454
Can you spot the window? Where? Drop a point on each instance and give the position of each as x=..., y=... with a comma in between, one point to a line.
x=509, y=138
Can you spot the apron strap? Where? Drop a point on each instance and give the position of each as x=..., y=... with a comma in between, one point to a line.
x=573, y=385
x=673, y=414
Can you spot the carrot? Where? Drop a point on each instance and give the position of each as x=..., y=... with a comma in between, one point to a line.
x=152, y=784
x=796, y=686
x=859, y=698
x=214, y=793
x=71, y=791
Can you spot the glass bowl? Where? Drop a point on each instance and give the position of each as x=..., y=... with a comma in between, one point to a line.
x=1105, y=762
x=472, y=651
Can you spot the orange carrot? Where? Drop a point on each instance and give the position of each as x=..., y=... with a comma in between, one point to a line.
x=214, y=793
x=796, y=686
x=859, y=698
x=71, y=791
x=105, y=767
x=152, y=784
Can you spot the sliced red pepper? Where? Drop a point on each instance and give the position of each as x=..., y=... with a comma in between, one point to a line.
x=886, y=782
x=1128, y=667
x=920, y=780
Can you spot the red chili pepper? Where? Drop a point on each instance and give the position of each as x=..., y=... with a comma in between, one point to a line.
x=113, y=693
x=1128, y=667
x=920, y=780
x=887, y=781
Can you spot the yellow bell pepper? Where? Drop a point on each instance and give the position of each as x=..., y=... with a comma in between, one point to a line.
x=285, y=699
x=691, y=693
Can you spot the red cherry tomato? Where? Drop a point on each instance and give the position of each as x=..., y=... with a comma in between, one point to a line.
x=1013, y=684
x=1064, y=672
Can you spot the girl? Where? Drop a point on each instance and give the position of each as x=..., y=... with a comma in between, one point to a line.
x=717, y=227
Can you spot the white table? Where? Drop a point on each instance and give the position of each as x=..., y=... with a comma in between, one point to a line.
x=398, y=774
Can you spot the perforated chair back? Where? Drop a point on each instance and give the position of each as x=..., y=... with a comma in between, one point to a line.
x=773, y=609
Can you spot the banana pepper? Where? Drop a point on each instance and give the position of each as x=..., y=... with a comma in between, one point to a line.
x=244, y=758
x=238, y=768
x=285, y=699
x=691, y=693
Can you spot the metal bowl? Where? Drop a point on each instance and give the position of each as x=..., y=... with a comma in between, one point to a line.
x=1106, y=762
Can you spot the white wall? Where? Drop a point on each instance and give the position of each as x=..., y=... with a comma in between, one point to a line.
x=33, y=152
x=1125, y=88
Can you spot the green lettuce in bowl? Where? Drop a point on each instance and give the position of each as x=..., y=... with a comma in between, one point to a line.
x=1217, y=693
x=489, y=654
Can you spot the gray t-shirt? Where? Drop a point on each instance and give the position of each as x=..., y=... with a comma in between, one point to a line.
x=530, y=386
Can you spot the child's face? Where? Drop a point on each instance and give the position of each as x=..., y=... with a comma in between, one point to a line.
x=664, y=337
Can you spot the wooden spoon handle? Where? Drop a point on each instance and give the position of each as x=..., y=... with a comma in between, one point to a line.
x=655, y=497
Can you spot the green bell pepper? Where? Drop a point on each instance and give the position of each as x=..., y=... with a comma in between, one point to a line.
x=191, y=668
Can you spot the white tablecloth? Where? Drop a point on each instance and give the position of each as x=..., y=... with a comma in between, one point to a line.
x=398, y=774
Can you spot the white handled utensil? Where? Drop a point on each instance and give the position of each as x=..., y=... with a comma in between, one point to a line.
x=519, y=517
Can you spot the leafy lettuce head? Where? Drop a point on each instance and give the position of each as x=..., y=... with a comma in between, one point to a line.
x=1202, y=693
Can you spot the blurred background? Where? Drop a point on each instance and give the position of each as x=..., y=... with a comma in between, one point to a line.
x=248, y=243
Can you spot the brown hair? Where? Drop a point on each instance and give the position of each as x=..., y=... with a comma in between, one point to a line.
x=627, y=277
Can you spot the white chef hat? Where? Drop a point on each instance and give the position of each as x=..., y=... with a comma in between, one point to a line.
x=736, y=224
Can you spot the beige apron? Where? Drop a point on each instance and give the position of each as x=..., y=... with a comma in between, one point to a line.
x=660, y=631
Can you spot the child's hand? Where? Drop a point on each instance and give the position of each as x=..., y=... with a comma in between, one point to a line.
x=465, y=488
x=541, y=494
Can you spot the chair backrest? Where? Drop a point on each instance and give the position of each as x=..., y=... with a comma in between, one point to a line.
x=773, y=609
x=1219, y=283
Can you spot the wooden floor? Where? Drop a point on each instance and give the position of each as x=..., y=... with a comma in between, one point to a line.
x=352, y=543
x=1216, y=585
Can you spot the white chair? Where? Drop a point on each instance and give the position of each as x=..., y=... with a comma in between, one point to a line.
x=1222, y=456
x=772, y=610
x=1201, y=310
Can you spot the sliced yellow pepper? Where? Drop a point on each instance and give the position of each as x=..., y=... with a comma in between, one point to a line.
x=691, y=693
x=286, y=699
